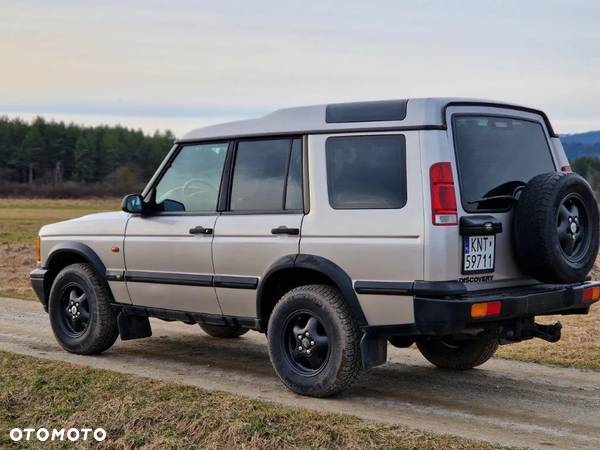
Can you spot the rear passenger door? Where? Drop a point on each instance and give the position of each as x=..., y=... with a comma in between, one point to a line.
x=261, y=220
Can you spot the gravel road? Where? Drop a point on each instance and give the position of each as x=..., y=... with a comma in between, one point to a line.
x=510, y=403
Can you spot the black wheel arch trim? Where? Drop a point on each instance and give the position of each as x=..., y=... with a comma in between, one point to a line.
x=82, y=250
x=321, y=265
x=79, y=249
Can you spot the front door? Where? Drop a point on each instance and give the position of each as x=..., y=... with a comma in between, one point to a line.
x=168, y=252
x=262, y=221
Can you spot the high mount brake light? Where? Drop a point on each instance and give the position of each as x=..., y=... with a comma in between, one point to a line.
x=443, y=198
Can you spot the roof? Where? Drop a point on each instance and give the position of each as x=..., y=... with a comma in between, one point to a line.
x=419, y=113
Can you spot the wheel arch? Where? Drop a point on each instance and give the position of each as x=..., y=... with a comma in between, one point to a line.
x=65, y=254
x=292, y=271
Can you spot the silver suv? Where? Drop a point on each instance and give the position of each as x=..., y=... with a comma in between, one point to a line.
x=337, y=229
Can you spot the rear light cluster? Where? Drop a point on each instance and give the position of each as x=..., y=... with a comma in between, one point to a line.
x=487, y=309
x=566, y=169
x=591, y=294
x=443, y=198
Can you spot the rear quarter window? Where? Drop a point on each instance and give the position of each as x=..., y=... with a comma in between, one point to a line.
x=496, y=156
x=366, y=172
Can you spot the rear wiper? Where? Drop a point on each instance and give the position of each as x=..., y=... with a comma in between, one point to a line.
x=494, y=197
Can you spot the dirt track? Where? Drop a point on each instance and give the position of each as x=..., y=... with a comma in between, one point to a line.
x=506, y=402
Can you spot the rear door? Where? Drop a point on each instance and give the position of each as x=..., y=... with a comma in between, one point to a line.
x=496, y=152
x=261, y=221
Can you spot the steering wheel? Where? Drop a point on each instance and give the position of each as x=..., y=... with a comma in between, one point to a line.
x=196, y=186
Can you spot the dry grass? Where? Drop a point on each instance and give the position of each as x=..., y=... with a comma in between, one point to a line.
x=20, y=221
x=137, y=412
x=16, y=261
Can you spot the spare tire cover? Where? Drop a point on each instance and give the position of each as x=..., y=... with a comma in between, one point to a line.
x=555, y=228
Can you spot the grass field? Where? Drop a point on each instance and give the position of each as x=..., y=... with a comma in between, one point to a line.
x=137, y=412
x=21, y=219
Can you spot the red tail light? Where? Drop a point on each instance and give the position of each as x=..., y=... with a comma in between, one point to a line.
x=487, y=309
x=591, y=294
x=443, y=198
x=566, y=169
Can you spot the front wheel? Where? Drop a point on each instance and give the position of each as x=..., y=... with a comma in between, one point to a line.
x=314, y=341
x=449, y=353
x=81, y=316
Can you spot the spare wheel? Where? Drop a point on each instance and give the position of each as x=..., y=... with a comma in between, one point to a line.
x=555, y=228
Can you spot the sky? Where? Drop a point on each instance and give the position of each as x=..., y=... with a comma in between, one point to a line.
x=184, y=64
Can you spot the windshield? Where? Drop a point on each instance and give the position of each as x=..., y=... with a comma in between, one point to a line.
x=495, y=157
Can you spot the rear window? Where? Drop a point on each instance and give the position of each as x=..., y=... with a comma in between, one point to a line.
x=495, y=157
x=366, y=172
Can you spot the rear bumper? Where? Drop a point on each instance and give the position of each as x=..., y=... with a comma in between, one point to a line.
x=38, y=277
x=449, y=315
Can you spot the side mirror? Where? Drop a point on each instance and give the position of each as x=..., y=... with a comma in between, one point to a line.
x=133, y=203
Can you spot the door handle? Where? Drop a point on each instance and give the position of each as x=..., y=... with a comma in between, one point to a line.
x=285, y=230
x=201, y=230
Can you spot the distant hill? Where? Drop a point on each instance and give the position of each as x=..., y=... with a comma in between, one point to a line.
x=581, y=144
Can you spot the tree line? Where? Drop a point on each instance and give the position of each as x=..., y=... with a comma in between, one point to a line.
x=54, y=153
x=47, y=158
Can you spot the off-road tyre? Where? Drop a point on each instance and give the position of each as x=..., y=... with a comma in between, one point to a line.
x=323, y=376
x=101, y=330
x=542, y=234
x=223, y=331
x=457, y=354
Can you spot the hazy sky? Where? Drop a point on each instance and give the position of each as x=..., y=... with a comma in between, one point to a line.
x=182, y=64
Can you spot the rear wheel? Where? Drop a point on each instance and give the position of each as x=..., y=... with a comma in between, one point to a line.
x=223, y=331
x=80, y=311
x=314, y=341
x=457, y=354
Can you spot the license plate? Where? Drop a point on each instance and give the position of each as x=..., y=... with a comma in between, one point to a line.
x=478, y=254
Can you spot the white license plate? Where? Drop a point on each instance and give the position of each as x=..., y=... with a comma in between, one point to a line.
x=478, y=254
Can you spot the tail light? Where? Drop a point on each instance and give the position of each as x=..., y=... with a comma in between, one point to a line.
x=566, y=169
x=487, y=309
x=443, y=198
x=591, y=294
x=38, y=250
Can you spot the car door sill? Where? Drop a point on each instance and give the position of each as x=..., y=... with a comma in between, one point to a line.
x=188, y=317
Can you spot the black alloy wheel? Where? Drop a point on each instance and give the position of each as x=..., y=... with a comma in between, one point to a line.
x=306, y=343
x=75, y=309
x=572, y=226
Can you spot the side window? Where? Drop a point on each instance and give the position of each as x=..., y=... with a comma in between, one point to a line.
x=191, y=183
x=366, y=172
x=267, y=175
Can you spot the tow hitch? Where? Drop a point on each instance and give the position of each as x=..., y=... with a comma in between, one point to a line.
x=525, y=329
